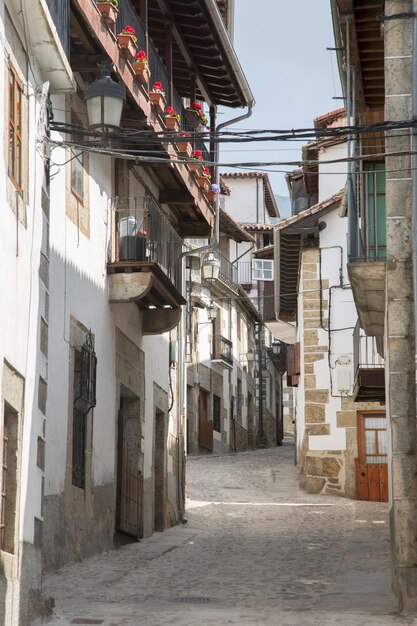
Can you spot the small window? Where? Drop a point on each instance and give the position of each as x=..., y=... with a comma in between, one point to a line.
x=15, y=129
x=77, y=167
x=262, y=269
x=216, y=414
x=77, y=174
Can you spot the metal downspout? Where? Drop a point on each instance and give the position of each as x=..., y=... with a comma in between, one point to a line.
x=352, y=216
x=182, y=376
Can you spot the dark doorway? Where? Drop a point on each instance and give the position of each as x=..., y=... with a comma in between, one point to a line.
x=205, y=428
x=129, y=501
x=159, y=472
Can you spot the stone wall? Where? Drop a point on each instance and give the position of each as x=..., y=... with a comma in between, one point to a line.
x=400, y=335
x=329, y=471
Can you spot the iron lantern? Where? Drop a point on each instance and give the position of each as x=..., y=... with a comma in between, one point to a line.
x=104, y=99
x=211, y=266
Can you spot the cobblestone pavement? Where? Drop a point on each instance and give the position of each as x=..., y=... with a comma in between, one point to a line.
x=256, y=550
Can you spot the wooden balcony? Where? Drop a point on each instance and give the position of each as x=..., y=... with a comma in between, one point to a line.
x=144, y=264
x=93, y=41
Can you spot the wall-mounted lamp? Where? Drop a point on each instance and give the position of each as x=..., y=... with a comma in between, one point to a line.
x=211, y=266
x=276, y=347
x=249, y=356
x=212, y=312
x=104, y=99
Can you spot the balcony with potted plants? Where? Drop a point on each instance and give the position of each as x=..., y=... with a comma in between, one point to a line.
x=143, y=265
x=149, y=46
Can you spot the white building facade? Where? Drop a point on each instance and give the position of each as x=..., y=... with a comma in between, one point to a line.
x=332, y=406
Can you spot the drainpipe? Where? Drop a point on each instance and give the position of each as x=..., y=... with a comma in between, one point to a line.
x=352, y=215
x=182, y=374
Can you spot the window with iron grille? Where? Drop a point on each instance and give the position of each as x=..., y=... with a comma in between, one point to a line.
x=85, y=366
x=85, y=392
x=217, y=413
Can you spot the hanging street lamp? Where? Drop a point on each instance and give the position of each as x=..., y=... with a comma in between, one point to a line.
x=104, y=99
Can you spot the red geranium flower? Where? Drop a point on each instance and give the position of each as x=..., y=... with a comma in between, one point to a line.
x=141, y=56
x=206, y=172
x=129, y=29
x=196, y=106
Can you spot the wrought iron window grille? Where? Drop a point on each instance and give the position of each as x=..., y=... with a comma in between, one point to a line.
x=86, y=398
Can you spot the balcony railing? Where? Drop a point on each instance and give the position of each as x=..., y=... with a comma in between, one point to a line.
x=222, y=350
x=369, y=201
x=365, y=353
x=128, y=15
x=228, y=272
x=142, y=234
x=244, y=273
x=60, y=13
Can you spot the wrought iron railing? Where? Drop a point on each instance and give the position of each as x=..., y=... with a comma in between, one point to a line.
x=128, y=15
x=244, y=272
x=365, y=352
x=142, y=233
x=60, y=14
x=228, y=272
x=222, y=349
x=369, y=204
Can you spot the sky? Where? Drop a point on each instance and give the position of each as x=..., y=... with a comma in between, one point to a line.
x=282, y=49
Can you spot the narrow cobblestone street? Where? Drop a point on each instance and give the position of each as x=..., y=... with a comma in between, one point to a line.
x=256, y=550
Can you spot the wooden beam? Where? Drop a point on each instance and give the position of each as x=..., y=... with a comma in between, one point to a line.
x=185, y=51
x=174, y=196
x=194, y=229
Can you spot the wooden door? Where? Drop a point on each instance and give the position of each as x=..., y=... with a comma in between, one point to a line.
x=372, y=461
x=205, y=428
x=129, y=478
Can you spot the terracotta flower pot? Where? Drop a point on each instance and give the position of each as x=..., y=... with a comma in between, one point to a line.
x=211, y=195
x=203, y=182
x=127, y=44
x=108, y=12
x=196, y=168
x=172, y=124
x=192, y=117
x=142, y=72
x=158, y=100
x=185, y=148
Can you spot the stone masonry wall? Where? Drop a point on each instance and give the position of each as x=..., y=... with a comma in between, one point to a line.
x=324, y=471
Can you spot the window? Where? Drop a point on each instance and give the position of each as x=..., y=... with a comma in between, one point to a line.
x=77, y=173
x=9, y=480
x=262, y=269
x=77, y=167
x=216, y=414
x=15, y=129
x=375, y=226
